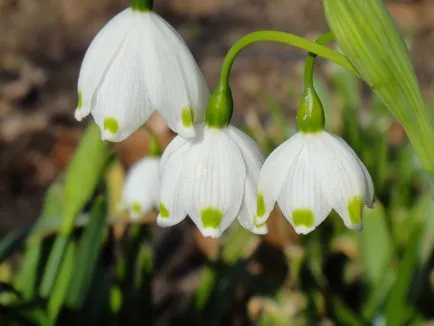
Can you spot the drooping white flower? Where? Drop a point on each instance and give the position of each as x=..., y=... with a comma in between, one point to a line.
x=137, y=64
x=141, y=191
x=212, y=178
x=311, y=174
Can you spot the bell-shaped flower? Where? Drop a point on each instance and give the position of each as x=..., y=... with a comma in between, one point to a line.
x=309, y=175
x=141, y=191
x=138, y=64
x=212, y=178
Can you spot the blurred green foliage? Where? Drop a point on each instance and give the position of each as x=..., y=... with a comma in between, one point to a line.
x=381, y=276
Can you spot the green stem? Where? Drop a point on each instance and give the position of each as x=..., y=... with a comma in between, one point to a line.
x=310, y=61
x=142, y=5
x=285, y=38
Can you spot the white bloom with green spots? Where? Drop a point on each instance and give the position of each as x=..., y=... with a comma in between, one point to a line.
x=212, y=178
x=138, y=64
x=311, y=174
x=141, y=191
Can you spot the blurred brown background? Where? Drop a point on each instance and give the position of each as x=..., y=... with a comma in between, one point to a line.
x=42, y=43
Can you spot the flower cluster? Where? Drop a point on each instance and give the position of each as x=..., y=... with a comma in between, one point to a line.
x=211, y=171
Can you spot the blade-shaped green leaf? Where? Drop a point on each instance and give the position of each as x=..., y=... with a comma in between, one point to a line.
x=29, y=272
x=376, y=243
x=12, y=242
x=398, y=305
x=82, y=176
x=62, y=282
x=88, y=252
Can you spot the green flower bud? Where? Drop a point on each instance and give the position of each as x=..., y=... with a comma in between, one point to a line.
x=220, y=107
x=142, y=5
x=310, y=113
x=369, y=38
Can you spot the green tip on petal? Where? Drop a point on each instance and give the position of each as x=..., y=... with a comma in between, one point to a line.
x=260, y=205
x=260, y=225
x=164, y=212
x=111, y=125
x=303, y=217
x=79, y=100
x=187, y=117
x=211, y=218
x=136, y=208
x=355, y=209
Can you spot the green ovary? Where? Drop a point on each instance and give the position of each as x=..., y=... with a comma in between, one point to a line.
x=164, y=212
x=187, y=117
x=303, y=217
x=355, y=208
x=112, y=125
x=211, y=218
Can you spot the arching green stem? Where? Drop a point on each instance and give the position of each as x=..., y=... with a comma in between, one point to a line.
x=285, y=38
x=220, y=107
x=310, y=61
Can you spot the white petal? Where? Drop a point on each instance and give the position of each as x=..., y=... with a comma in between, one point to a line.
x=172, y=177
x=253, y=159
x=301, y=199
x=172, y=148
x=343, y=178
x=142, y=187
x=176, y=86
x=122, y=96
x=213, y=188
x=273, y=174
x=370, y=191
x=98, y=58
x=247, y=213
x=249, y=148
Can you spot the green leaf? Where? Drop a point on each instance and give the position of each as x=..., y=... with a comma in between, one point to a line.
x=376, y=243
x=33, y=257
x=12, y=242
x=54, y=263
x=378, y=52
x=206, y=286
x=398, y=305
x=88, y=252
x=62, y=282
x=344, y=315
x=82, y=176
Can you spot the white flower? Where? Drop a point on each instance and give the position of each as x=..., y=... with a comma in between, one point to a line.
x=212, y=178
x=135, y=65
x=311, y=174
x=141, y=191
